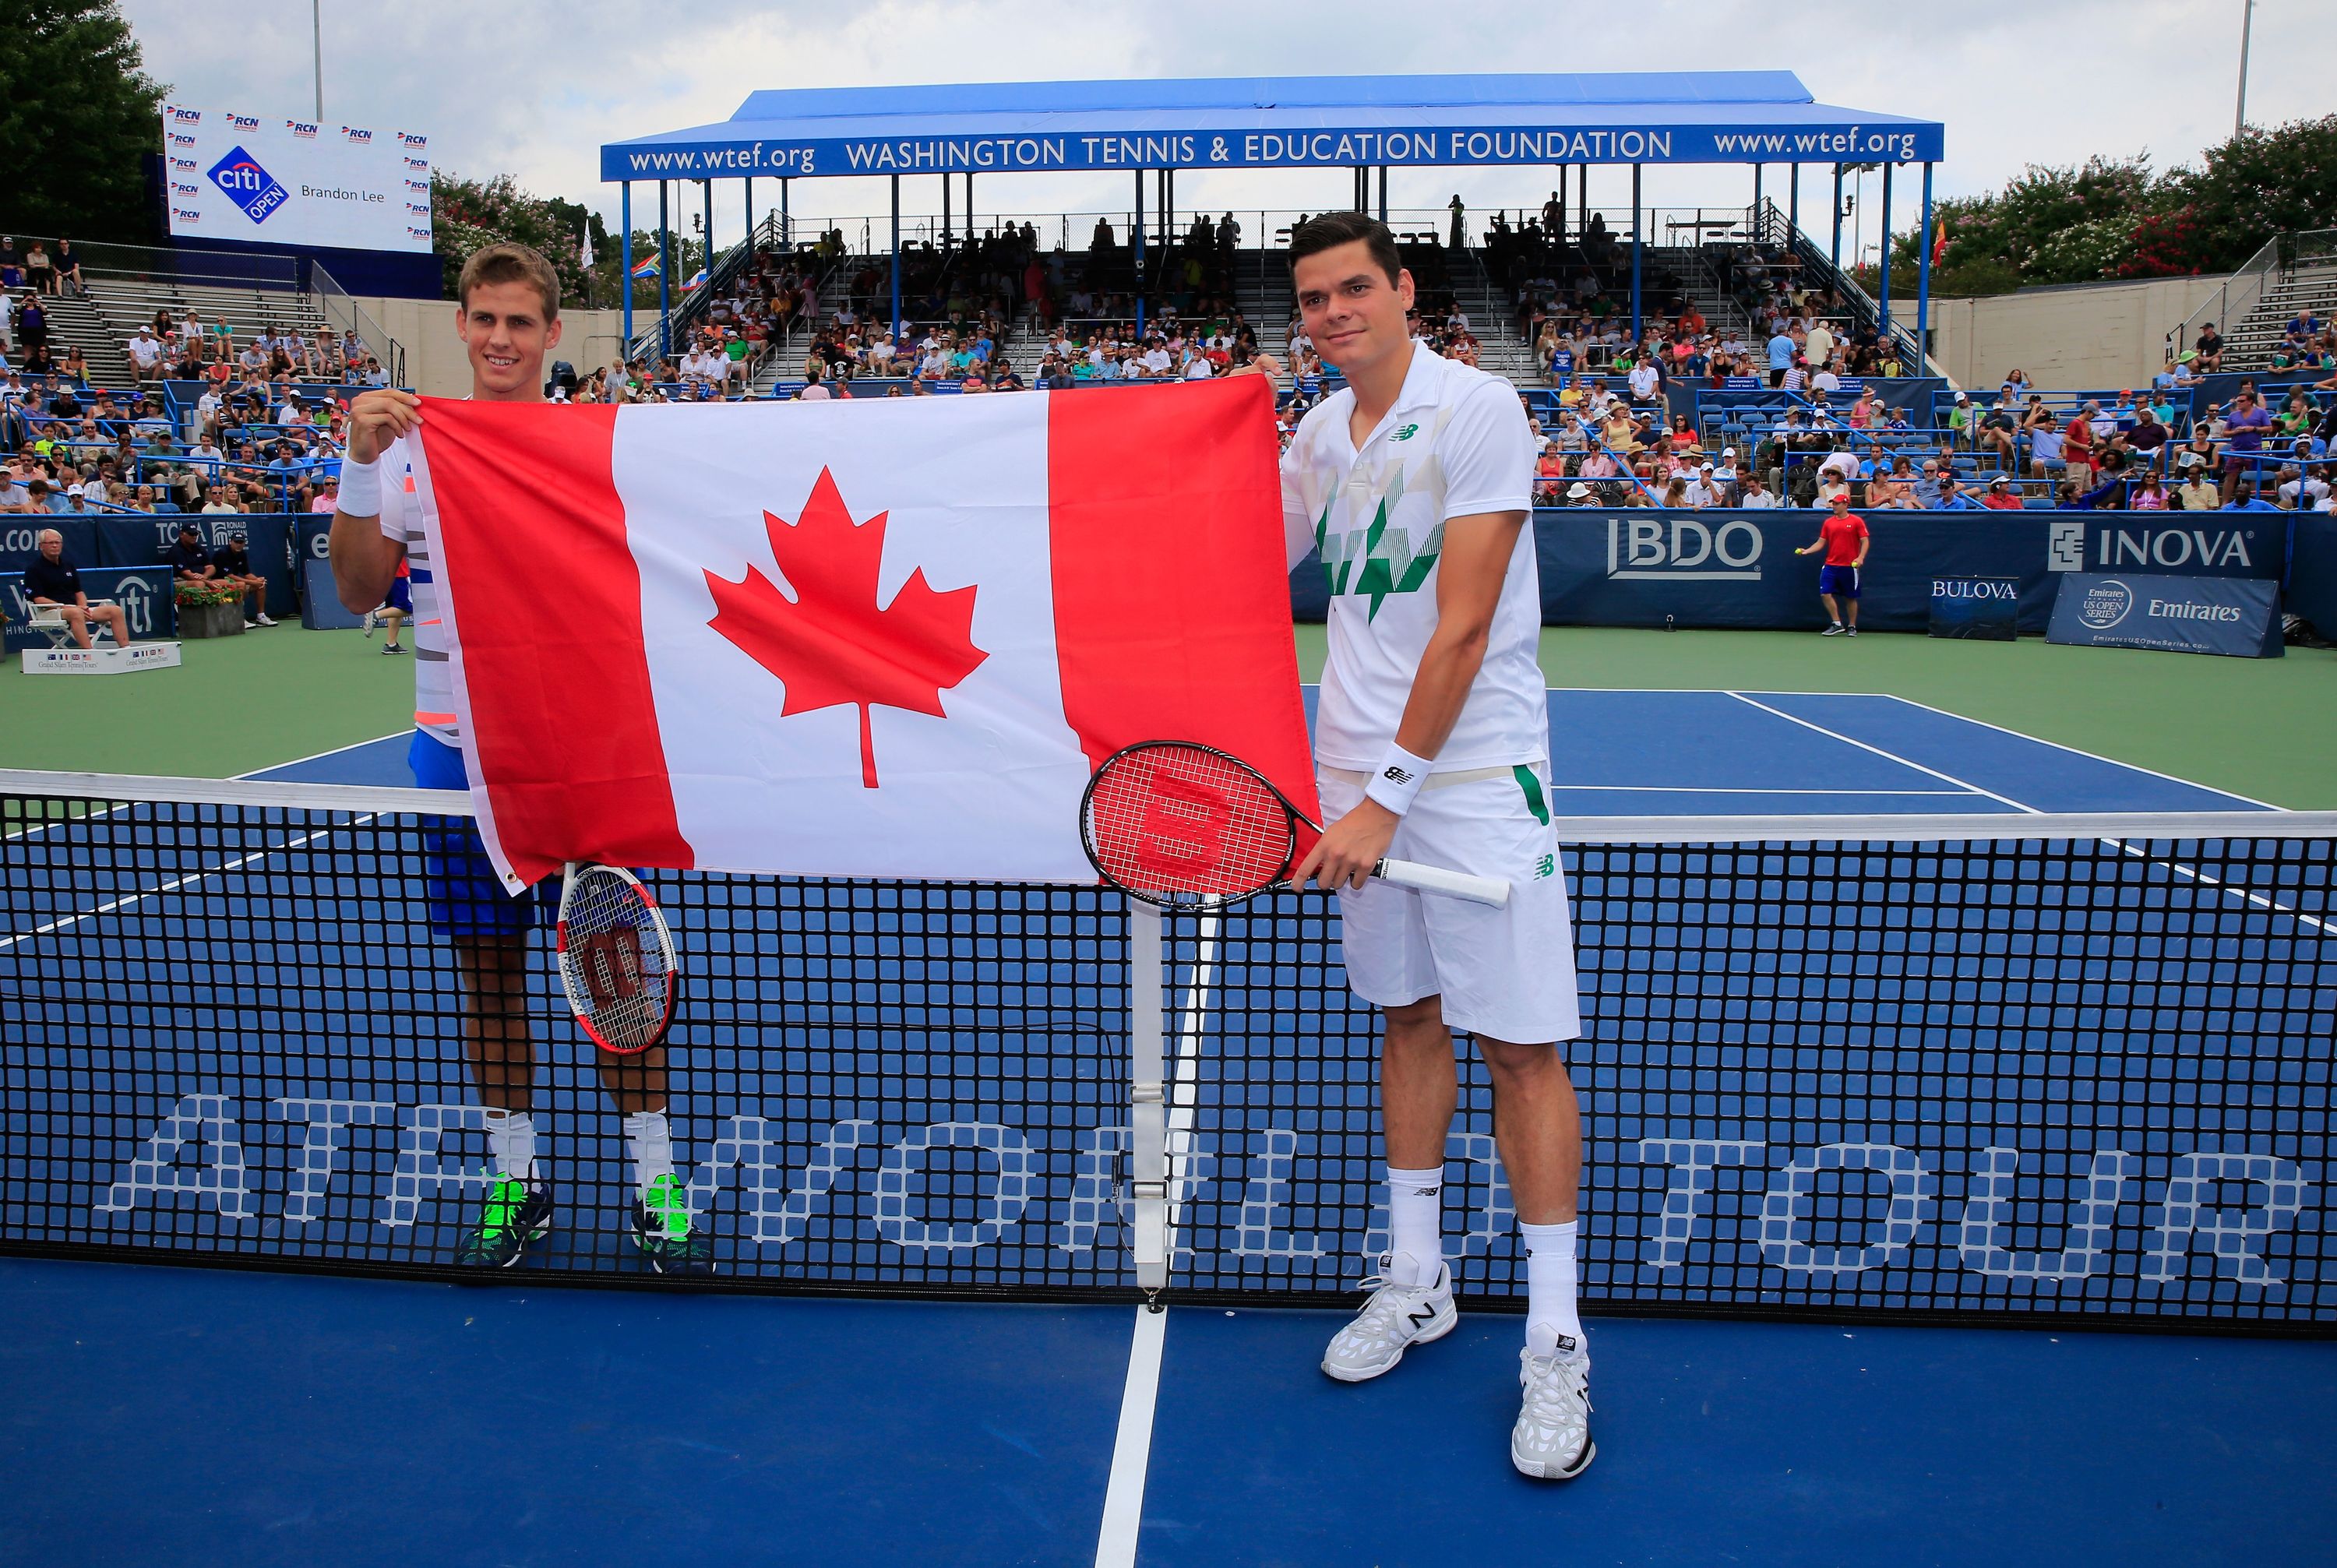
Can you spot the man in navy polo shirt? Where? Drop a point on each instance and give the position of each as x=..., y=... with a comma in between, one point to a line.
x=50, y=579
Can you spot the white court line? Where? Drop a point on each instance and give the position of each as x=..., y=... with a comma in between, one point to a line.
x=1879, y=752
x=320, y=756
x=2193, y=872
x=1131, y=1450
x=112, y=904
x=1717, y=790
x=2057, y=746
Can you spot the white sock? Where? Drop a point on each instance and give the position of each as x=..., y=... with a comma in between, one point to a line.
x=651, y=1143
x=1415, y=1225
x=1551, y=1312
x=510, y=1138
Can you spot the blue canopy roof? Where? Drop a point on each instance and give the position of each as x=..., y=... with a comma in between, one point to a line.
x=1295, y=121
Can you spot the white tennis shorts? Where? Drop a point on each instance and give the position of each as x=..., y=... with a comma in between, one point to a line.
x=1506, y=973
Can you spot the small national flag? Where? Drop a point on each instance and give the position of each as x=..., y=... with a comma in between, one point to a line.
x=799, y=648
x=1940, y=245
x=585, y=249
x=647, y=267
x=695, y=279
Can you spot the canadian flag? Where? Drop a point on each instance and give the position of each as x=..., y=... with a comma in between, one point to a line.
x=876, y=638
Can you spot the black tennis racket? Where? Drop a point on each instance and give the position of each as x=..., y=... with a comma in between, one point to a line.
x=616, y=958
x=1189, y=826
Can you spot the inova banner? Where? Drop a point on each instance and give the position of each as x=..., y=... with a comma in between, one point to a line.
x=2234, y=615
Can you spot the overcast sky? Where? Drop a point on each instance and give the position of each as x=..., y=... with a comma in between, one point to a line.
x=534, y=87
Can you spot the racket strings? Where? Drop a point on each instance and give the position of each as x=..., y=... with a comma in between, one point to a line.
x=614, y=961
x=1187, y=823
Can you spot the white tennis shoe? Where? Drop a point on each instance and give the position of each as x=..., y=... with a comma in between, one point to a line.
x=1551, y=1441
x=1396, y=1317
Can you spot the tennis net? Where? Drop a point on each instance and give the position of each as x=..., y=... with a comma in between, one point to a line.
x=1981, y=1068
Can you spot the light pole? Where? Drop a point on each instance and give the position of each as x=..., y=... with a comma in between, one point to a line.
x=317, y=31
x=2240, y=114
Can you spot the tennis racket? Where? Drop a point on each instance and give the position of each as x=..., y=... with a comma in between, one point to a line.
x=616, y=958
x=1189, y=826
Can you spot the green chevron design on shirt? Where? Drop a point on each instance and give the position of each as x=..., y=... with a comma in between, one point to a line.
x=1390, y=565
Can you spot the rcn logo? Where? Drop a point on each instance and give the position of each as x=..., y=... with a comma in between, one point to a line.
x=185, y=215
x=180, y=139
x=422, y=208
x=413, y=233
x=302, y=128
x=417, y=184
x=408, y=139
x=186, y=165
x=1644, y=549
x=244, y=122
x=186, y=116
x=181, y=188
x=417, y=163
x=360, y=138
x=248, y=185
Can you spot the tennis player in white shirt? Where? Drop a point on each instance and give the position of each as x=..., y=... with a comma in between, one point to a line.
x=1432, y=744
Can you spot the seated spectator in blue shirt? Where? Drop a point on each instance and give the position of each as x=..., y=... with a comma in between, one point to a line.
x=2245, y=499
x=1928, y=487
x=1951, y=496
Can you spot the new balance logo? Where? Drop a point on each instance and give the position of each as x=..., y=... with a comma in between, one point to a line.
x=1395, y=775
x=1406, y=432
x=1424, y=1316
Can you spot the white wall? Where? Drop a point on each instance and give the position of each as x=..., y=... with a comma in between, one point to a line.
x=2105, y=335
x=434, y=359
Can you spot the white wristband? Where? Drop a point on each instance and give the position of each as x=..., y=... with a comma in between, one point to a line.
x=361, y=488
x=1397, y=780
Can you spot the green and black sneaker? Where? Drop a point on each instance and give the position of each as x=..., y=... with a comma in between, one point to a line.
x=662, y=1230
x=515, y=1213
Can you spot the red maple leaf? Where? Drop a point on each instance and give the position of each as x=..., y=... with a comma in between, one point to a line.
x=833, y=643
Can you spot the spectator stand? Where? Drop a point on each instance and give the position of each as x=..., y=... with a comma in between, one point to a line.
x=1358, y=123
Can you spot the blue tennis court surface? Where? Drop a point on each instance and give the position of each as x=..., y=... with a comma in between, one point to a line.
x=161, y=1414
x=1724, y=753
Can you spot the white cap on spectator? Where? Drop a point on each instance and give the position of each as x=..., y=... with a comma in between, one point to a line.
x=1728, y=451
x=1963, y=397
x=1577, y=491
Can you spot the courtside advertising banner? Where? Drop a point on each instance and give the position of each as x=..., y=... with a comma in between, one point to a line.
x=852, y=638
x=264, y=179
x=2238, y=616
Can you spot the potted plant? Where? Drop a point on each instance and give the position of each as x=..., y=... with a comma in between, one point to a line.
x=209, y=610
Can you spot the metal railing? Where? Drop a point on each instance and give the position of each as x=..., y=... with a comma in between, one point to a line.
x=2235, y=296
x=177, y=265
x=645, y=343
x=1769, y=227
x=346, y=316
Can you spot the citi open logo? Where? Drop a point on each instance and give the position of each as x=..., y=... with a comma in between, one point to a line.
x=355, y=137
x=301, y=129
x=248, y=185
x=244, y=122
x=2105, y=604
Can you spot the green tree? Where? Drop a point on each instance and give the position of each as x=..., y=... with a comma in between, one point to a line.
x=469, y=214
x=2246, y=191
x=78, y=116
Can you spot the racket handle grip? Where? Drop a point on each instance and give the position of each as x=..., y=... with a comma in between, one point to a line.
x=1491, y=890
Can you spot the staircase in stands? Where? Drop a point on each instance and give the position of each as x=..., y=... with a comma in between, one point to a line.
x=2248, y=343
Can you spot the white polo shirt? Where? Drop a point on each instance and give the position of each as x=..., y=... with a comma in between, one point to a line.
x=401, y=519
x=1456, y=444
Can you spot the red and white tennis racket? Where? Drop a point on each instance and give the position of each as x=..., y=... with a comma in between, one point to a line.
x=616, y=958
x=1189, y=826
